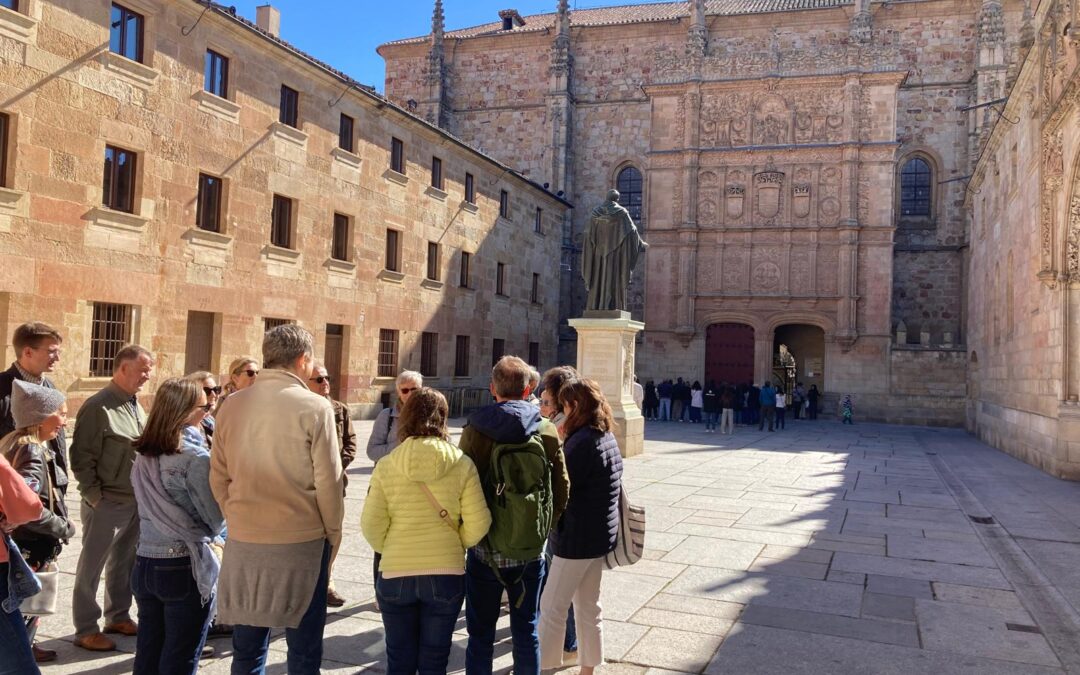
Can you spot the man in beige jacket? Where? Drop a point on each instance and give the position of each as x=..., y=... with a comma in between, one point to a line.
x=276, y=472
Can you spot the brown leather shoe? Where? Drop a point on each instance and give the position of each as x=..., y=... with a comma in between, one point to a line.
x=333, y=599
x=127, y=627
x=95, y=642
x=43, y=655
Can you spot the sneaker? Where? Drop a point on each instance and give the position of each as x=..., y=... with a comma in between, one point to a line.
x=207, y=652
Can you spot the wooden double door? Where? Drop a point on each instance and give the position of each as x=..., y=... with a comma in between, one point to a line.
x=729, y=353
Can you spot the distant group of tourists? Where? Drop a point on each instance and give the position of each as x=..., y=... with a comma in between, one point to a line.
x=223, y=506
x=726, y=405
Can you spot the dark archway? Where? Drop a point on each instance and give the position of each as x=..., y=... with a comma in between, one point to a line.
x=804, y=360
x=729, y=353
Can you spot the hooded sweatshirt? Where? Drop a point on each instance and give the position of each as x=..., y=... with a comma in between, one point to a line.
x=514, y=422
x=401, y=523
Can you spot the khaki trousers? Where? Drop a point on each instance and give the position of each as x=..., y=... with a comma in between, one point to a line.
x=577, y=582
x=110, y=534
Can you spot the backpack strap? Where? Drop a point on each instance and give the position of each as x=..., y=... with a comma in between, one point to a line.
x=443, y=513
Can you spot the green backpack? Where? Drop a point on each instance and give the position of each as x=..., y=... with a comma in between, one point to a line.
x=518, y=491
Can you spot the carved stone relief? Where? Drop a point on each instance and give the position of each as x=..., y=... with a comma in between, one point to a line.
x=829, y=204
x=733, y=200
x=772, y=121
x=828, y=260
x=1072, y=249
x=766, y=275
x=767, y=184
x=1053, y=176
x=707, y=212
x=734, y=269
x=801, y=272
x=800, y=200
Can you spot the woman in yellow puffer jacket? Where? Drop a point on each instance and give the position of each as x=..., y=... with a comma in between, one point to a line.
x=424, y=508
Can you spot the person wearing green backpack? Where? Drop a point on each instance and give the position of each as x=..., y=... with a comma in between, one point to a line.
x=518, y=456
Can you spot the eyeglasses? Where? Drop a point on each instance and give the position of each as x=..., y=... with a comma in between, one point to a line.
x=407, y=390
x=248, y=372
x=212, y=390
x=205, y=408
x=322, y=379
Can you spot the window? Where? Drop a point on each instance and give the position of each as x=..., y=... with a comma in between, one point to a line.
x=110, y=330
x=498, y=348
x=388, y=353
x=538, y=226
x=433, y=261
x=345, y=133
x=436, y=173
x=534, y=294
x=216, y=77
x=466, y=262
x=461, y=356
x=270, y=324
x=429, y=354
x=199, y=343
x=281, y=222
x=504, y=204
x=126, y=33
x=118, y=185
x=916, y=188
x=470, y=189
x=393, y=250
x=534, y=354
x=10, y=4
x=289, y=112
x=208, y=205
x=5, y=125
x=397, y=155
x=500, y=279
x=339, y=246
x=629, y=183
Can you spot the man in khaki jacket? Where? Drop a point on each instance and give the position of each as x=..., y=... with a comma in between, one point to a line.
x=276, y=473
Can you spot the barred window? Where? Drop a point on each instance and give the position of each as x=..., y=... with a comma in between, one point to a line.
x=461, y=356
x=429, y=354
x=270, y=323
x=629, y=185
x=109, y=332
x=388, y=352
x=534, y=354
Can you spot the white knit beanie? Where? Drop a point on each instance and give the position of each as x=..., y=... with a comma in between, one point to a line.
x=32, y=403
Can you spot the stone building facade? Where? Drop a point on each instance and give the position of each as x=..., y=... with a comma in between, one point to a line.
x=804, y=172
x=195, y=179
x=1024, y=261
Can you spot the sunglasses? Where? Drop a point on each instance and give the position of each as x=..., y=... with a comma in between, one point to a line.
x=408, y=390
x=206, y=408
x=212, y=390
x=248, y=372
x=322, y=379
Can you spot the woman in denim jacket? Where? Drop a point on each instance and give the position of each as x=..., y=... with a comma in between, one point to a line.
x=176, y=571
x=18, y=505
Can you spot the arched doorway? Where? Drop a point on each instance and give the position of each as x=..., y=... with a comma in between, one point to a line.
x=729, y=353
x=798, y=356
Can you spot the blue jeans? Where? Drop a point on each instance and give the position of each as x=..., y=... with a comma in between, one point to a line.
x=483, y=592
x=665, y=409
x=14, y=642
x=711, y=418
x=419, y=614
x=172, y=618
x=250, y=643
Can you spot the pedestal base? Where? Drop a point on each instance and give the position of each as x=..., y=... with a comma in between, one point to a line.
x=605, y=353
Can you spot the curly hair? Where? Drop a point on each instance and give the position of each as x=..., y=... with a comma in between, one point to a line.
x=588, y=407
x=424, y=414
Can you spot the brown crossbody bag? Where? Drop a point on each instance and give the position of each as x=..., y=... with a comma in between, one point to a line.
x=443, y=513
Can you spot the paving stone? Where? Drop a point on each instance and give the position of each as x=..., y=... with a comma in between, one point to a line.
x=971, y=595
x=790, y=568
x=921, y=548
x=926, y=514
x=912, y=588
x=931, y=499
x=846, y=577
x=767, y=589
x=888, y=606
x=981, y=631
x=747, y=534
x=661, y=541
x=796, y=554
x=918, y=569
x=880, y=496
x=697, y=606
x=735, y=555
x=661, y=518
x=620, y=637
x=830, y=624
x=785, y=520
x=624, y=593
x=675, y=650
x=663, y=618
x=653, y=568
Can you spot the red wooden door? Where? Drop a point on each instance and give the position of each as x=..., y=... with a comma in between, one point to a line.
x=729, y=353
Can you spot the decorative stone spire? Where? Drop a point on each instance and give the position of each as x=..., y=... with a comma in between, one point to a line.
x=1027, y=30
x=438, y=24
x=862, y=22
x=436, y=105
x=561, y=60
x=991, y=23
x=697, y=39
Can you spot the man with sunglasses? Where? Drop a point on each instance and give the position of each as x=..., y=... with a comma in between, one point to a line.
x=319, y=382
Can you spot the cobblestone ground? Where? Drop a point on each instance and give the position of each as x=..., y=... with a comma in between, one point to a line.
x=817, y=549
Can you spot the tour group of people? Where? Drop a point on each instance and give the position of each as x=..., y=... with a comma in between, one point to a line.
x=728, y=405
x=220, y=510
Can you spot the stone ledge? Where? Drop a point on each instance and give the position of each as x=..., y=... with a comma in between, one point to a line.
x=469, y=207
x=341, y=267
x=137, y=73
x=349, y=159
x=221, y=108
x=17, y=26
x=289, y=134
x=116, y=220
x=200, y=237
x=278, y=254
x=13, y=203
x=391, y=276
x=91, y=384
x=435, y=193
x=432, y=284
x=395, y=177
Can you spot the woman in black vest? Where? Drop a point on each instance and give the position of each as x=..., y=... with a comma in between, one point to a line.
x=587, y=530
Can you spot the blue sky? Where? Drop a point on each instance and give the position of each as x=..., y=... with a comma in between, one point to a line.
x=345, y=33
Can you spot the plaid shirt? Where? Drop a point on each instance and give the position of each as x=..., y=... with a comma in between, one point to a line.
x=486, y=554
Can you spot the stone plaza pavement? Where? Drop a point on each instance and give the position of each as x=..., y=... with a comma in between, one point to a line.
x=818, y=549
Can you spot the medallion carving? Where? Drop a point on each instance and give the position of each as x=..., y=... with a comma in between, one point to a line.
x=707, y=212
x=767, y=185
x=766, y=276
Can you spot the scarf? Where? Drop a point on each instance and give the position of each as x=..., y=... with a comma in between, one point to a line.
x=157, y=506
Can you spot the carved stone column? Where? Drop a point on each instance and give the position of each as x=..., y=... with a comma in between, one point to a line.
x=848, y=288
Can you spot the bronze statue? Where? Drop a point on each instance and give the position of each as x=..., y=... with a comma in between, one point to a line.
x=611, y=249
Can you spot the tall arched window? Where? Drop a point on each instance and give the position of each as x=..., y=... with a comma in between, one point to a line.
x=916, y=189
x=629, y=185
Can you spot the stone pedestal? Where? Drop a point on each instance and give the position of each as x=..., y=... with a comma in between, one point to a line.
x=605, y=353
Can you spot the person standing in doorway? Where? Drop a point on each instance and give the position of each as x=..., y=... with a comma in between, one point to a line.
x=767, y=401
x=812, y=397
x=710, y=406
x=727, y=407
x=781, y=407
x=798, y=399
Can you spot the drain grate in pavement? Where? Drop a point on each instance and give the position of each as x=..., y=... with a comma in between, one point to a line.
x=1023, y=628
x=982, y=520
